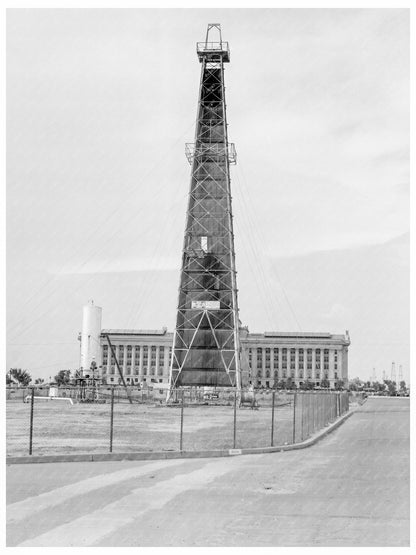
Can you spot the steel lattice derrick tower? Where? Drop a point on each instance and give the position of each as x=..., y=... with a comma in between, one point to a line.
x=206, y=345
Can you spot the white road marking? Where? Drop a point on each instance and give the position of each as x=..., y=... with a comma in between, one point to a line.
x=27, y=507
x=93, y=527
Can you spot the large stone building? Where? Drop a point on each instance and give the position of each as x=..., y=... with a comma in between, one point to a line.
x=269, y=357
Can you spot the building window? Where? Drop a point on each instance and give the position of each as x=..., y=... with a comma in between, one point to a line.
x=267, y=358
x=276, y=358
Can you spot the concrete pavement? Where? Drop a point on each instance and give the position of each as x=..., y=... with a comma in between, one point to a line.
x=350, y=489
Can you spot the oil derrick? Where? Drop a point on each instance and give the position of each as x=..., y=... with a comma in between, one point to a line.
x=393, y=372
x=400, y=378
x=206, y=345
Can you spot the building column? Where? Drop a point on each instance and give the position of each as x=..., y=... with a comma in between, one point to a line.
x=297, y=366
x=157, y=364
x=313, y=373
x=141, y=362
x=331, y=364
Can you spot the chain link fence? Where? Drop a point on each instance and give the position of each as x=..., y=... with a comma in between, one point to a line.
x=45, y=421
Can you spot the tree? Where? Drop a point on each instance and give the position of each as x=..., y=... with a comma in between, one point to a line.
x=379, y=387
x=307, y=385
x=391, y=387
x=17, y=376
x=290, y=384
x=339, y=385
x=356, y=384
x=39, y=381
x=325, y=383
x=63, y=377
x=402, y=385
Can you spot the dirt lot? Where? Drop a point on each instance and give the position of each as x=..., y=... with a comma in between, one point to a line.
x=61, y=428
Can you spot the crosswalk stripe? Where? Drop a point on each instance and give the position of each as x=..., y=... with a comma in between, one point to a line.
x=93, y=527
x=23, y=509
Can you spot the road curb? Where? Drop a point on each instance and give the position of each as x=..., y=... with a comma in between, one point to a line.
x=160, y=455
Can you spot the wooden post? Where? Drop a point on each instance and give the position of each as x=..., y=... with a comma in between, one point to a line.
x=111, y=419
x=32, y=402
x=181, y=436
x=272, y=432
x=235, y=420
x=294, y=417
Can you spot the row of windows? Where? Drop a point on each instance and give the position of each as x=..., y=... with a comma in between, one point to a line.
x=292, y=365
x=145, y=352
x=268, y=351
x=151, y=371
x=284, y=373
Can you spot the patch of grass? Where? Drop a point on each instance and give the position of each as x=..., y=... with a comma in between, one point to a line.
x=60, y=428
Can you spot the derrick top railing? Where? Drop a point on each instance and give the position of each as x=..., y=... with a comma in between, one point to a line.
x=213, y=50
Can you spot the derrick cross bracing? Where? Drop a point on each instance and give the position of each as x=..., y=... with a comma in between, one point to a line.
x=206, y=345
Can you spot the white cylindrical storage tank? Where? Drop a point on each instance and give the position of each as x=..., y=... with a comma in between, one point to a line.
x=90, y=336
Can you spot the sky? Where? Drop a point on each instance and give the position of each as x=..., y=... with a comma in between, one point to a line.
x=100, y=103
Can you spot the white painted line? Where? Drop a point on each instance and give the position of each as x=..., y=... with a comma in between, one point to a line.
x=25, y=508
x=90, y=529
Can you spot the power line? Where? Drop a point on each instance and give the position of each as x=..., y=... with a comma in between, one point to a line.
x=157, y=192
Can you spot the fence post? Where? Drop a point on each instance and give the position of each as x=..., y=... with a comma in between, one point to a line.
x=111, y=419
x=32, y=402
x=271, y=442
x=294, y=417
x=181, y=436
x=235, y=420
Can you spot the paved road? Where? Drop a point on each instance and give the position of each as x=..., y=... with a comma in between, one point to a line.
x=351, y=489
